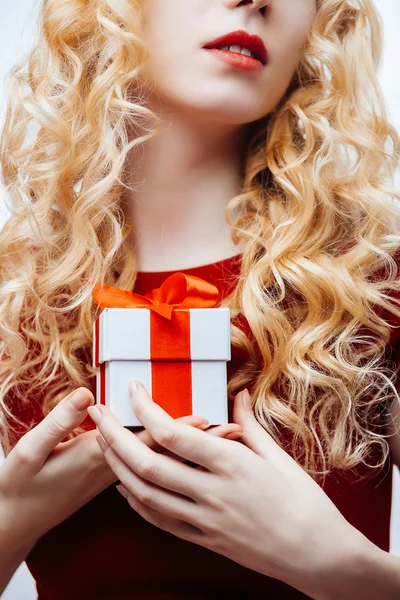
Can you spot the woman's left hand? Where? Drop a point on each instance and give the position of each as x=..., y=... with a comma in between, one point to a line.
x=250, y=501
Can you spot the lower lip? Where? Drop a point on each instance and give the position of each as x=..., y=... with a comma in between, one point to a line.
x=241, y=61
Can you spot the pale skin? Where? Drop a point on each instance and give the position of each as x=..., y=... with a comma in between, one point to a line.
x=185, y=179
x=44, y=480
x=183, y=183
x=249, y=501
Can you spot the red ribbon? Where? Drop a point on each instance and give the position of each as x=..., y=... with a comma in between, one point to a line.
x=178, y=291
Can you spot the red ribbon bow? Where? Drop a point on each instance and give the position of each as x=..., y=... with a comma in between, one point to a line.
x=178, y=291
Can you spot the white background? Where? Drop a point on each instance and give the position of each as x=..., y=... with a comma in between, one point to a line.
x=17, y=30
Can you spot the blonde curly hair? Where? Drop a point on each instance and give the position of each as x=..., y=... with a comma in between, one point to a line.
x=318, y=216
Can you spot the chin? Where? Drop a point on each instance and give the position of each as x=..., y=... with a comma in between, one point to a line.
x=214, y=107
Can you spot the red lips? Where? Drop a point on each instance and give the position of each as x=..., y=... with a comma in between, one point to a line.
x=241, y=38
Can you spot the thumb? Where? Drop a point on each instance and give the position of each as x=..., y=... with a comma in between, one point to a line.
x=254, y=436
x=40, y=441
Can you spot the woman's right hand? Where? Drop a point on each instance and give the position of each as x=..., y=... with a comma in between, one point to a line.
x=44, y=480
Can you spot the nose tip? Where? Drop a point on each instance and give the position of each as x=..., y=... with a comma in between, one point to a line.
x=255, y=5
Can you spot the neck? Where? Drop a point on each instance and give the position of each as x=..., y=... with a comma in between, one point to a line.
x=181, y=184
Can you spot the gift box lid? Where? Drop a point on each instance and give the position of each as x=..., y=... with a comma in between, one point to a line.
x=132, y=334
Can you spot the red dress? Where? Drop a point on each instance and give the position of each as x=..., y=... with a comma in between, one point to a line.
x=106, y=550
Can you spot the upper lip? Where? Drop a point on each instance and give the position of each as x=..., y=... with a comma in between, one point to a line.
x=241, y=38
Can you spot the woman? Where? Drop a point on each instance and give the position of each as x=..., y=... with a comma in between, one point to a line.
x=151, y=131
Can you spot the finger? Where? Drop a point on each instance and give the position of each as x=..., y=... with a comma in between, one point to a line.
x=227, y=430
x=146, y=463
x=231, y=431
x=155, y=497
x=184, y=441
x=194, y=421
x=255, y=436
x=185, y=531
x=33, y=449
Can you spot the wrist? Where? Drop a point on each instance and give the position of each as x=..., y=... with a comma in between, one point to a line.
x=354, y=568
x=14, y=537
x=14, y=548
x=345, y=567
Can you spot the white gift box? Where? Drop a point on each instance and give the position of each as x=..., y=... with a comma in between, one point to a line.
x=181, y=361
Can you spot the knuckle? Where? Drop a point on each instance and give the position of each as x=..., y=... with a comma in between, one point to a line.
x=146, y=497
x=212, y=527
x=216, y=503
x=228, y=464
x=23, y=454
x=165, y=436
x=57, y=424
x=147, y=470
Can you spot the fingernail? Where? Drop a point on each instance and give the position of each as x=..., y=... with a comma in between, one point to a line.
x=246, y=398
x=234, y=435
x=102, y=442
x=122, y=490
x=95, y=413
x=203, y=425
x=80, y=400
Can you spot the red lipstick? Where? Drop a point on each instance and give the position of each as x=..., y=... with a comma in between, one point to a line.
x=252, y=43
